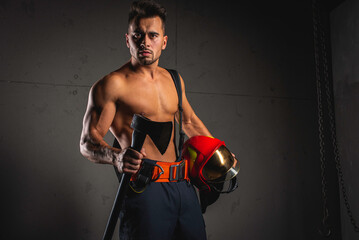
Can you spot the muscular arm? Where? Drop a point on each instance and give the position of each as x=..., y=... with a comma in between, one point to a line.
x=97, y=120
x=192, y=125
x=101, y=110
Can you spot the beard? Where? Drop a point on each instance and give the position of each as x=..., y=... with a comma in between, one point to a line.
x=147, y=60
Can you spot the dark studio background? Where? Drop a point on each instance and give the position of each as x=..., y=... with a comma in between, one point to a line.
x=250, y=76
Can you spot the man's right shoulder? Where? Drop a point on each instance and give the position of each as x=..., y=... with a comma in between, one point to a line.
x=110, y=86
x=112, y=79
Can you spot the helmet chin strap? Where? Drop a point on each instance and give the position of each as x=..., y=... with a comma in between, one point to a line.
x=209, y=197
x=231, y=187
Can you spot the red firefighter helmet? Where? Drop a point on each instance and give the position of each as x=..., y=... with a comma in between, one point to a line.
x=210, y=161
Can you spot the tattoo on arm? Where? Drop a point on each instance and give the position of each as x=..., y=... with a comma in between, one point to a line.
x=99, y=153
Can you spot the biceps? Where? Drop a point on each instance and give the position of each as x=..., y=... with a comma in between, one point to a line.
x=188, y=112
x=98, y=121
x=105, y=118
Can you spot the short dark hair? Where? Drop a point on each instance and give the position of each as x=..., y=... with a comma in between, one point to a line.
x=147, y=9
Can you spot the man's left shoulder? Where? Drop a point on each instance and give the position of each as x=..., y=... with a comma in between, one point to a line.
x=167, y=72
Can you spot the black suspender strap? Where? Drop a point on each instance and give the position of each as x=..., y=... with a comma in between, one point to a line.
x=177, y=81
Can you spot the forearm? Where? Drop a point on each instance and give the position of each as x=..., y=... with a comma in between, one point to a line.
x=98, y=151
x=125, y=160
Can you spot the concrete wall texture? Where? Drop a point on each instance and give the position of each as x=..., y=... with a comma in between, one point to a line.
x=249, y=74
x=345, y=48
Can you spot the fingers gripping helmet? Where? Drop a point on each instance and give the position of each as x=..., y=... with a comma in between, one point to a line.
x=210, y=162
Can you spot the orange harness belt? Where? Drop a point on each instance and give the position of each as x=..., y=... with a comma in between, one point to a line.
x=169, y=172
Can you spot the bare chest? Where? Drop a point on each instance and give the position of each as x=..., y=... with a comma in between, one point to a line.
x=156, y=100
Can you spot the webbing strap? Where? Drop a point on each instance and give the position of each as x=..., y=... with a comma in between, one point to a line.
x=177, y=81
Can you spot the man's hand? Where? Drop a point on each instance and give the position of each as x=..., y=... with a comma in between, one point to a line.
x=129, y=160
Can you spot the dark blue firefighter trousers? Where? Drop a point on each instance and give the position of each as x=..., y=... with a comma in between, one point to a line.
x=164, y=211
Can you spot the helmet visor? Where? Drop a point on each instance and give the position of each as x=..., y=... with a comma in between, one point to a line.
x=220, y=167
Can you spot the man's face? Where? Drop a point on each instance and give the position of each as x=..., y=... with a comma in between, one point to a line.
x=146, y=40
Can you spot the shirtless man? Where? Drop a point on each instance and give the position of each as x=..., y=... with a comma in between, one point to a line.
x=142, y=87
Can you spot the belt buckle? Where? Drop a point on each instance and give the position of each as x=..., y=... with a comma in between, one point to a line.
x=179, y=171
x=162, y=172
